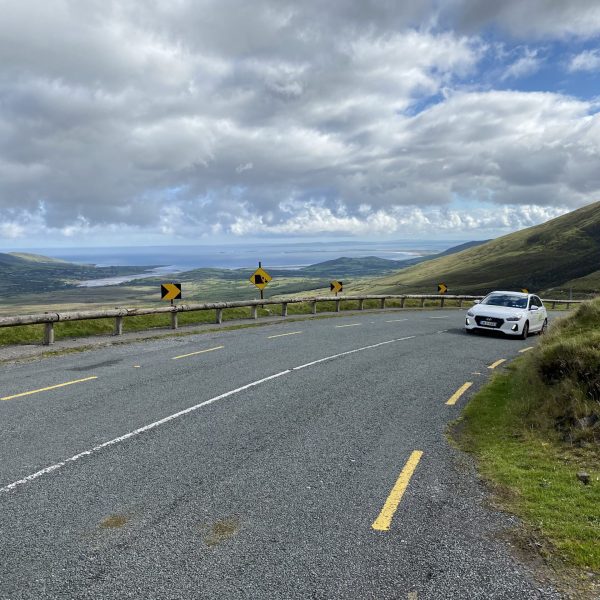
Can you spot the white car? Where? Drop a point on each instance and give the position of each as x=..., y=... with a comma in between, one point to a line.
x=512, y=313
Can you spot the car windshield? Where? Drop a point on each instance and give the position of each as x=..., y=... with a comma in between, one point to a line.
x=509, y=300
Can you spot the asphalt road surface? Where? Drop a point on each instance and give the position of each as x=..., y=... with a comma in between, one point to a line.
x=300, y=460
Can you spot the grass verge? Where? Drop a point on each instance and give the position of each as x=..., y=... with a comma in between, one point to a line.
x=532, y=430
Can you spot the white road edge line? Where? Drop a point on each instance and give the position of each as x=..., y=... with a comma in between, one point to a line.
x=136, y=432
x=396, y=320
x=349, y=325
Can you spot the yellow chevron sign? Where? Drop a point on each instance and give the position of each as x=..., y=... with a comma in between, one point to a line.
x=525, y=290
x=170, y=291
x=442, y=288
x=336, y=286
x=260, y=278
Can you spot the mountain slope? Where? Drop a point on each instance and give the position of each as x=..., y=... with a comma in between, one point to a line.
x=537, y=258
x=22, y=273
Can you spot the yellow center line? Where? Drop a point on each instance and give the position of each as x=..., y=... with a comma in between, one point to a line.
x=270, y=337
x=495, y=364
x=458, y=393
x=50, y=387
x=384, y=520
x=198, y=352
x=526, y=349
x=350, y=325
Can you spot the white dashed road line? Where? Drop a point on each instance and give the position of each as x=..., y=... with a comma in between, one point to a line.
x=186, y=411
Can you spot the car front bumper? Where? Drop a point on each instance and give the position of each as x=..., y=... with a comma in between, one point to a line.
x=508, y=327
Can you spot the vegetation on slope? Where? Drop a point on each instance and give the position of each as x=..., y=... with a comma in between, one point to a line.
x=21, y=273
x=534, y=428
x=537, y=258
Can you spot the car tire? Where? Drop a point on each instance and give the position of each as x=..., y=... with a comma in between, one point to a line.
x=544, y=327
x=525, y=331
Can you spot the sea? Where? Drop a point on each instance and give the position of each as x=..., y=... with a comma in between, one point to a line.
x=289, y=255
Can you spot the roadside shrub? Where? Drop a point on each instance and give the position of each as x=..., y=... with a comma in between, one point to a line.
x=567, y=368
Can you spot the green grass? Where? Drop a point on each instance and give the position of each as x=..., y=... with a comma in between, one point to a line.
x=534, y=427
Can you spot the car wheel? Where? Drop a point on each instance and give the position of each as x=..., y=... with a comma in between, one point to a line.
x=544, y=327
x=525, y=331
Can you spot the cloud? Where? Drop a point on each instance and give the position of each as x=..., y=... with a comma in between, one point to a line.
x=404, y=221
x=588, y=60
x=245, y=167
x=527, y=64
x=204, y=117
x=538, y=19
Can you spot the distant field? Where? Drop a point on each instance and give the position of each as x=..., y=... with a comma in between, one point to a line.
x=147, y=293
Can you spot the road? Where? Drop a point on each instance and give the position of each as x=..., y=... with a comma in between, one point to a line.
x=301, y=460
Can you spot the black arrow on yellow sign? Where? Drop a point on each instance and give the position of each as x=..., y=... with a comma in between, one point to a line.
x=336, y=286
x=442, y=288
x=170, y=291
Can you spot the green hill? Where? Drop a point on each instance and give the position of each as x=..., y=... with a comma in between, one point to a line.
x=544, y=257
x=25, y=273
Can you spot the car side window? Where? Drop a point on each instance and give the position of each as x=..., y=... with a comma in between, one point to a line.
x=531, y=302
x=538, y=302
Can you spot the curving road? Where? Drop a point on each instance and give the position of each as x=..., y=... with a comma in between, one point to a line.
x=301, y=460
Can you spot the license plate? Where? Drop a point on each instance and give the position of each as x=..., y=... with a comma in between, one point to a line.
x=489, y=323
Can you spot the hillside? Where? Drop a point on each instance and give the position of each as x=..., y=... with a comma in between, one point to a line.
x=565, y=249
x=26, y=273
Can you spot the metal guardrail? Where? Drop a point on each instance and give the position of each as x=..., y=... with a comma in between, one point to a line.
x=49, y=318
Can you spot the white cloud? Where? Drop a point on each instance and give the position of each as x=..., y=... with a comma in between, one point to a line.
x=588, y=60
x=245, y=167
x=130, y=116
x=527, y=64
x=404, y=221
x=11, y=231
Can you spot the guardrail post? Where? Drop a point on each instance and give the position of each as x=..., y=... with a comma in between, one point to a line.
x=402, y=300
x=460, y=304
x=118, y=326
x=174, y=320
x=361, y=304
x=337, y=305
x=314, y=307
x=422, y=302
x=442, y=302
x=383, y=303
x=219, y=318
x=553, y=305
x=568, y=305
x=254, y=312
x=284, y=309
x=48, y=334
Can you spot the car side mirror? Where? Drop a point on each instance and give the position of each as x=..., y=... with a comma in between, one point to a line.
x=534, y=307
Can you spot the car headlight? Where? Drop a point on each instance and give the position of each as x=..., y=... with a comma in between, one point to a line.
x=470, y=313
x=515, y=317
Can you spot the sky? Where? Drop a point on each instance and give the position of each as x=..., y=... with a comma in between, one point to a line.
x=197, y=121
